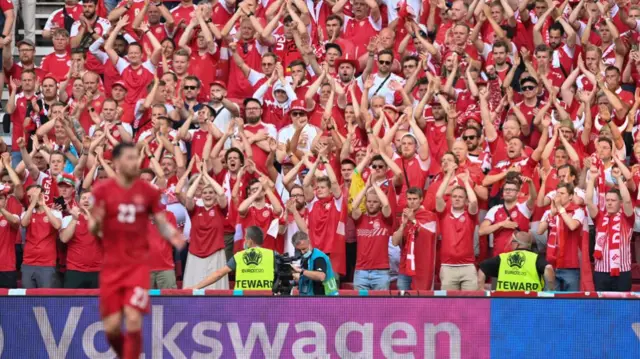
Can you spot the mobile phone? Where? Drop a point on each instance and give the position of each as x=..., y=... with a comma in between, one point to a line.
x=60, y=201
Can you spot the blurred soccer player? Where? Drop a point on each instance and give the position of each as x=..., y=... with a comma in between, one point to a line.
x=122, y=206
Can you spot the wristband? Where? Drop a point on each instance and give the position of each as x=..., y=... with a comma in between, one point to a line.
x=144, y=33
x=3, y=36
x=302, y=272
x=127, y=6
x=208, y=21
x=250, y=14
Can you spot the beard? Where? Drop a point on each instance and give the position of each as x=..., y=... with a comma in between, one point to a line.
x=253, y=120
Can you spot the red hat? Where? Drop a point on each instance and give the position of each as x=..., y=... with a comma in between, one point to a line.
x=49, y=75
x=475, y=116
x=67, y=178
x=120, y=83
x=219, y=83
x=298, y=105
x=348, y=160
x=346, y=60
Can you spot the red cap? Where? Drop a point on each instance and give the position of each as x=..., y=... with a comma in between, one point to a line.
x=120, y=83
x=298, y=105
x=219, y=83
x=49, y=75
x=475, y=116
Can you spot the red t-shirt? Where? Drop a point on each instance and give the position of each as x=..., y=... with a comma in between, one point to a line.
x=457, y=236
x=40, y=245
x=207, y=230
x=57, y=64
x=372, y=235
x=84, y=250
x=8, y=237
x=161, y=251
x=125, y=239
x=260, y=217
x=519, y=213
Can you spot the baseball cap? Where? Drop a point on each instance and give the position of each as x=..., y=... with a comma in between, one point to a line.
x=219, y=83
x=297, y=105
x=26, y=42
x=120, y=83
x=49, y=75
x=67, y=178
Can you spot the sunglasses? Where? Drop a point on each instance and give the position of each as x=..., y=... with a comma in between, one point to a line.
x=377, y=167
x=528, y=88
x=190, y=87
x=466, y=138
x=298, y=114
x=382, y=62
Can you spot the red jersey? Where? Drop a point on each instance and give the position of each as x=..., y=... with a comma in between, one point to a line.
x=16, y=71
x=372, y=236
x=57, y=64
x=203, y=66
x=573, y=239
x=182, y=13
x=520, y=213
x=135, y=8
x=40, y=244
x=8, y=237
x=56, y=19
x=125, y=224
x=84, y=251
x=527, y=165
x=457, y=230
x=623, y=227
x=161, y=251
x=238, y=85
x=17, y=120
x=207, y=230
x=261, y=217
x=136, y=80
x=259, y=155
x=415, y=175
x=359, y=32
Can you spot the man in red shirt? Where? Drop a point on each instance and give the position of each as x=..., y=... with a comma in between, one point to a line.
x=9, y=221
x=59, y=61
x=135, y=73
x=326, y=207
x=614, y=228
x=255, y=211
x=42, y=225
x=566, y=243
x=163, y=273
x=26, y=55
x=364, y=25
x=17, y=106
x=457, y=224
x=416, y=237
x=373, y=229
x=503, y=220
x=122, y=206
x=206, y=246
x=84, y=251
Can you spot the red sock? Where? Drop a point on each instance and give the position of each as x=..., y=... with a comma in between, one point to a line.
x=132, y=345
x=116, y=341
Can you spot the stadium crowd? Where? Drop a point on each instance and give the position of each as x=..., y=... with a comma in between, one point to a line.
x=410, y=140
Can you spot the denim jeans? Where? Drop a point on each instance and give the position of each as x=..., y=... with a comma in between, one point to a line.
x=567, y=280
x=371, y=279
x=404, y=282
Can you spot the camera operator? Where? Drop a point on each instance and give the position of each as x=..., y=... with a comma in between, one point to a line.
x=315, y=276
x=254, y=266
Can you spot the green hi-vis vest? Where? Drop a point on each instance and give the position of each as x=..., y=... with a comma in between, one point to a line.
x=254, y=269
x=518, y=272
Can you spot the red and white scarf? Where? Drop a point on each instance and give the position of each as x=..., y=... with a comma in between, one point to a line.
x=608, y=229
x=412, y=232
x=556, y=244
x=602, y=188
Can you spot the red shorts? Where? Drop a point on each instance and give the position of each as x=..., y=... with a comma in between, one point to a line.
x=127, y=285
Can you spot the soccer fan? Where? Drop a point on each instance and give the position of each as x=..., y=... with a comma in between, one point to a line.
x=614, y=228
x=121, y=209
x=373, y=229
x=457, y=223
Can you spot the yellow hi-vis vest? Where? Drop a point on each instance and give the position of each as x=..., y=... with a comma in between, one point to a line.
x=518, y=272
x=254, y=269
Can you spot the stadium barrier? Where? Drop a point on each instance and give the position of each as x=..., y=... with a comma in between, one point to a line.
x=50, y=323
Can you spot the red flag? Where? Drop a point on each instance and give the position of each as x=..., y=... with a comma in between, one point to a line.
x=424, y=249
